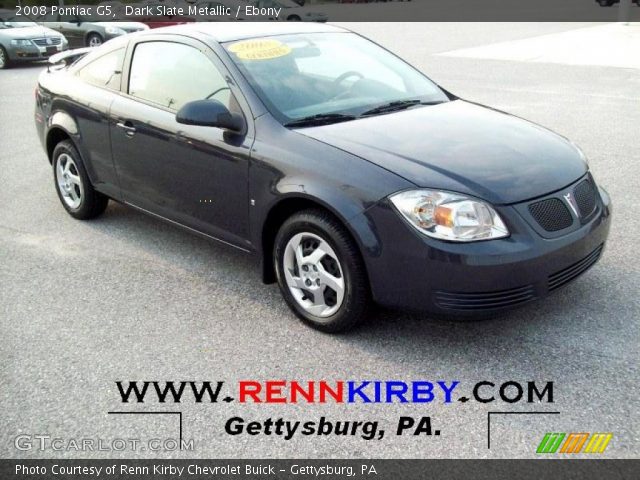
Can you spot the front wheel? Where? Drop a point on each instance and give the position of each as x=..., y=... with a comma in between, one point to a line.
x=4, y=58
x=320, y=271
x=75, y=191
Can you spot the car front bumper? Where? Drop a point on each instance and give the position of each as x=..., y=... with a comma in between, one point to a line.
x=412, y=271
x=31, y=53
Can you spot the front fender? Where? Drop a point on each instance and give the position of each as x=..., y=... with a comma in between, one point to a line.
x=348, y=209
x=290, y=171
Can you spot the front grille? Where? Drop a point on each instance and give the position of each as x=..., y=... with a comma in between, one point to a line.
x=551, y=214
x=565, y=275
x=484, y=300
x=42, y=42
x=585, y=195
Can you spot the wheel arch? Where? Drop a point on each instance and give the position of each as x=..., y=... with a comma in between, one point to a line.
x=62, y=126
x=93, y=32
x=280, y=212
x=55, y=135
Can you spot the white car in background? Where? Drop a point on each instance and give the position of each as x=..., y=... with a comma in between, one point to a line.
x=291, y=11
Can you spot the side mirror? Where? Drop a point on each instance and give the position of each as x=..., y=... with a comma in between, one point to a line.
x=210, y=113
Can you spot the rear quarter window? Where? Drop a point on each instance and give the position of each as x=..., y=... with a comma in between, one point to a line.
x=105, y=71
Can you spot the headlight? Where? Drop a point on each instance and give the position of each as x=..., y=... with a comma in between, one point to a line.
x=21, y=42
x=114, y=31
x=449, y=216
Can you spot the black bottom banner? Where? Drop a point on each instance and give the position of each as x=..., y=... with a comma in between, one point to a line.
x=335, y=469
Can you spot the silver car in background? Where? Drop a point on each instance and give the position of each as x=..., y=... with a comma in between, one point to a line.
x=85, y=31
x=22, y=41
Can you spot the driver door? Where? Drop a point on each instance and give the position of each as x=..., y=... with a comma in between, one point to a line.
x=191, y=175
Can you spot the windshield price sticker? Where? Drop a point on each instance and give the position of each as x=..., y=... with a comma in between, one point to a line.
x=260, y=49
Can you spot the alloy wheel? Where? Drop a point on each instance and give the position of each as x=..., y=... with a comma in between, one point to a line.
x=3, y=59
x=95, y=41
x=69, y=181
x=314, y=275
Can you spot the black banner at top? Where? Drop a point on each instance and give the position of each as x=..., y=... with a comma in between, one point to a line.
x=179, y=11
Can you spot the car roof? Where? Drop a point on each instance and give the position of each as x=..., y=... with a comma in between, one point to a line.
x=229, y=31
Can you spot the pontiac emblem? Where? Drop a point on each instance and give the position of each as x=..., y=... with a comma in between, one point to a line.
x=572, y=203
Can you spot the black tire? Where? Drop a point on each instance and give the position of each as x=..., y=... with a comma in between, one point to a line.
x=357, y=293
x=95, y=37
x=5, y=62
x=293, y=18
x=92, y=202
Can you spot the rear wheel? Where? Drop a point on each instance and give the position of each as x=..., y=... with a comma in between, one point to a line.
x=4, y=58
x=74, y=189
x=94, y=40
x=320, y=272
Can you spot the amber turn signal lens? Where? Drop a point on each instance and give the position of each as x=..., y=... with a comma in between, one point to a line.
x=443, y=216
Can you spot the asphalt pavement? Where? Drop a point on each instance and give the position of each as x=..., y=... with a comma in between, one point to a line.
x=126, y=297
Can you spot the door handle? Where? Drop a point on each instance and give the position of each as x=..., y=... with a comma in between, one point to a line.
x=128, y=128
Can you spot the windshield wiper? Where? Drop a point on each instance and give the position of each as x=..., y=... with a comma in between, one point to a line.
x=320, y=119
x=396, y=106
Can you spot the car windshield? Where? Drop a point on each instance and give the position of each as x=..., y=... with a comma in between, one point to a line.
x=304, y=75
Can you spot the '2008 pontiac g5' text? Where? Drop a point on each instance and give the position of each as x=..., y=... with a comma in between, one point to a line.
x=352, y=176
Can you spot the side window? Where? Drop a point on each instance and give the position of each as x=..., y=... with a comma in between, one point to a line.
x=105, y=71
x=172, y=74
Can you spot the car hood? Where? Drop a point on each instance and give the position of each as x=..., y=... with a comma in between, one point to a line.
x=29, y=32
x=462, y=147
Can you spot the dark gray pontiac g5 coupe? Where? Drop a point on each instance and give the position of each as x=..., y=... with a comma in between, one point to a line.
x=351, y=176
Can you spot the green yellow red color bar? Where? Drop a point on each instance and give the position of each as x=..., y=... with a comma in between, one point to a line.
x=574, y=442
